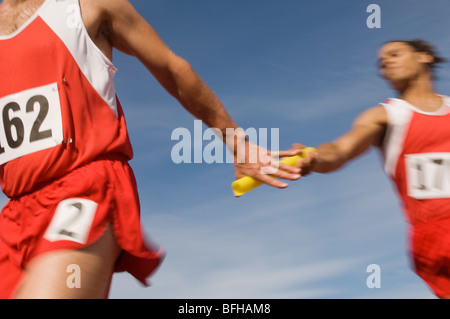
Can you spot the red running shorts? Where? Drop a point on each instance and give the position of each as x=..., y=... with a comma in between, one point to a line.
x=431, y=254
x=73, y=212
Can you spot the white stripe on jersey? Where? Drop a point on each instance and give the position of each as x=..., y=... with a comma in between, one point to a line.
x=64, y=18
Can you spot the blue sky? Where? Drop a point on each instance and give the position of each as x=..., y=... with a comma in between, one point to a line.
x=306, y=68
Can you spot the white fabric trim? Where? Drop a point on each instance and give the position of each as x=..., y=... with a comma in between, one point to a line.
x=399, y=117
x=64, y=18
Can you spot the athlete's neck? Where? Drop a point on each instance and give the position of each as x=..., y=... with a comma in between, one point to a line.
x=421, y=93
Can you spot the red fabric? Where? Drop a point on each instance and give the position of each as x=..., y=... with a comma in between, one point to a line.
x=426, y=134
x=37, y=57
x=430, y=250
x=429, y=218
x=109, y=183
x=91, y=163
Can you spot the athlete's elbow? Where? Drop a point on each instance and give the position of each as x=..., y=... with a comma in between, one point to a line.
x=189, y=87
x=180, y=68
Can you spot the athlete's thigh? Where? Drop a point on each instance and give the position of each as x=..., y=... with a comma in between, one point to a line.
x=85, y=273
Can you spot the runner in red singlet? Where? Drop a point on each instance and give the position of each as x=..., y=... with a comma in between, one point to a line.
x=64, y=146
x=413, y=133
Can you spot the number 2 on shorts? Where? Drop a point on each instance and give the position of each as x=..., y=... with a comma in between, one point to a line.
x=72, y=220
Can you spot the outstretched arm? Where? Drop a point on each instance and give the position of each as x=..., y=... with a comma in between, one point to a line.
x=368, y=130
x=128, y=32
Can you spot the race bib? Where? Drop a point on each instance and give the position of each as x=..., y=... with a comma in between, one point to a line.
x=72, y=220
x=428, y=175
x=30, y=121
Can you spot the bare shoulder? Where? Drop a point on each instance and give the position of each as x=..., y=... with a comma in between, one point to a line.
x=375, y=115
x=100, y=16
x=373, y=122
x=105, y=9
x=103, y=12
x=111, y=23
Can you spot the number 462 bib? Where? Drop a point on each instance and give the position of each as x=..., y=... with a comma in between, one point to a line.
x=30, y=121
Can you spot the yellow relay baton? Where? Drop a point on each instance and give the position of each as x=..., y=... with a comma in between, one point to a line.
x=247, y=183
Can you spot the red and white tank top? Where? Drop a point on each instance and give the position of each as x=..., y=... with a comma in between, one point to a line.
x=417, y=157
x=58, y=104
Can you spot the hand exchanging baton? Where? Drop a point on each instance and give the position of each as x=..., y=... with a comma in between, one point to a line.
x=255, y=175
x=308, y=159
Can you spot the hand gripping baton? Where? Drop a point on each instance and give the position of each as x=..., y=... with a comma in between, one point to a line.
x=247, y=183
